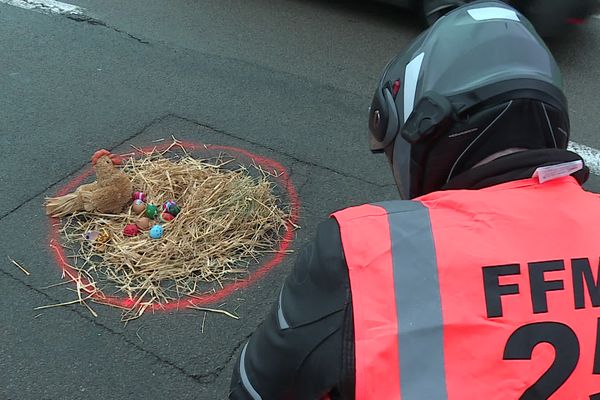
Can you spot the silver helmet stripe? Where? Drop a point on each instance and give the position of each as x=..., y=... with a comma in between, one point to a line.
x=411, y=78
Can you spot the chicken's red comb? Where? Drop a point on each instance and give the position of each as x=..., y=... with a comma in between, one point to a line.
x=115, y=159
x=98, y=154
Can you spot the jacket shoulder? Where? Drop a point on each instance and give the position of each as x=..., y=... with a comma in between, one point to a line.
x=377, y=209
x=318, y=284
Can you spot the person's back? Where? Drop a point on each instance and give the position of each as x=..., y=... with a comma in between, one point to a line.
x=479, y=278
x=484, y=283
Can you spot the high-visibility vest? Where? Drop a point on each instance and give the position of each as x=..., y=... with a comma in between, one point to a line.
x=490, y=294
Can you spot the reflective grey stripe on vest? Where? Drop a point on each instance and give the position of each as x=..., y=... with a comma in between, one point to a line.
x=418, y=304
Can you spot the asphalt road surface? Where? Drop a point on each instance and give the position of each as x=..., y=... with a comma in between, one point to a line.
x=290, y=80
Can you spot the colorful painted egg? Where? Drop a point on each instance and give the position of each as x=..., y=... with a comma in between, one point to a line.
x=91, y=235
x=139, y=196
x=138, y=206
x=151, y=211
x=156, y=232
x=166, y=217
x=174, y=210
x=171, y=207
x=104, y=236
x=102, y=239
x=167, y=204
x=144, y=223
x=131, y=230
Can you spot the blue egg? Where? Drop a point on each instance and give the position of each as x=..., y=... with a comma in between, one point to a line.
x=156, y=232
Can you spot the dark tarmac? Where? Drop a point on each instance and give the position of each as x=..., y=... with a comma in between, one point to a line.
x=288, y=80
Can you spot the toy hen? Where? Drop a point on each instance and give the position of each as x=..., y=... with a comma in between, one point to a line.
x=109, y=194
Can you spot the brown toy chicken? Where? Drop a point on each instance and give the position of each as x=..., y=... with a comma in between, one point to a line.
x=109, y=194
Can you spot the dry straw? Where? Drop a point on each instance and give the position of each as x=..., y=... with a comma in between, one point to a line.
x=230, y=216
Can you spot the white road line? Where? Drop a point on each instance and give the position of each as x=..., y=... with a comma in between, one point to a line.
x=48, y=6
x=590, y=155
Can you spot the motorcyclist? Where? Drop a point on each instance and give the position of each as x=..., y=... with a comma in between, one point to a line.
x=493, y=252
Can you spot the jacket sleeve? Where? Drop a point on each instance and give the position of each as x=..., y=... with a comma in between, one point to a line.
x=304, y=348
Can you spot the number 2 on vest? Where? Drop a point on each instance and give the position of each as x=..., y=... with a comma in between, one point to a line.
x=520, y=346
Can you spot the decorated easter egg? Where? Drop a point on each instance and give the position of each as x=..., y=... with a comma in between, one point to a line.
x=104, y=236
x=144, y=223
x=171, y=207
x=139, y=196
x=102, y=239
x=131, y=230
x=156, y=232
x=151, y=211
x=91, y=235
x=138, y=206
x=174, y=210
x=166, y=217
x=167, y=204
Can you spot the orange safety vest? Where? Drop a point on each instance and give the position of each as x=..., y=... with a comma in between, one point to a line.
x=488, y=294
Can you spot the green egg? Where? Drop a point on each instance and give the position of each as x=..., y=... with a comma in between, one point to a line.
x=174, y=210
x=151, y=211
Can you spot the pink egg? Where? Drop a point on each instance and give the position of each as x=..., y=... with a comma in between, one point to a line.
x=139, y=196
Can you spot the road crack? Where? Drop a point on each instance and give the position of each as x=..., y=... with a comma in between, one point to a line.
x=81, y=314
x=212, y=375
x=80, y=167
x=284, y=153
x=96, y=22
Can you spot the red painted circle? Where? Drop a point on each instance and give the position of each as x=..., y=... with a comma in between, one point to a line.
x=281, y=176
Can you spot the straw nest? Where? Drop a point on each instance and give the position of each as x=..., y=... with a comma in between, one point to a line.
x=230, y=216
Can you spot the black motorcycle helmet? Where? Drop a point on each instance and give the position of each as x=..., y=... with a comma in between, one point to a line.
x=479, y=81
